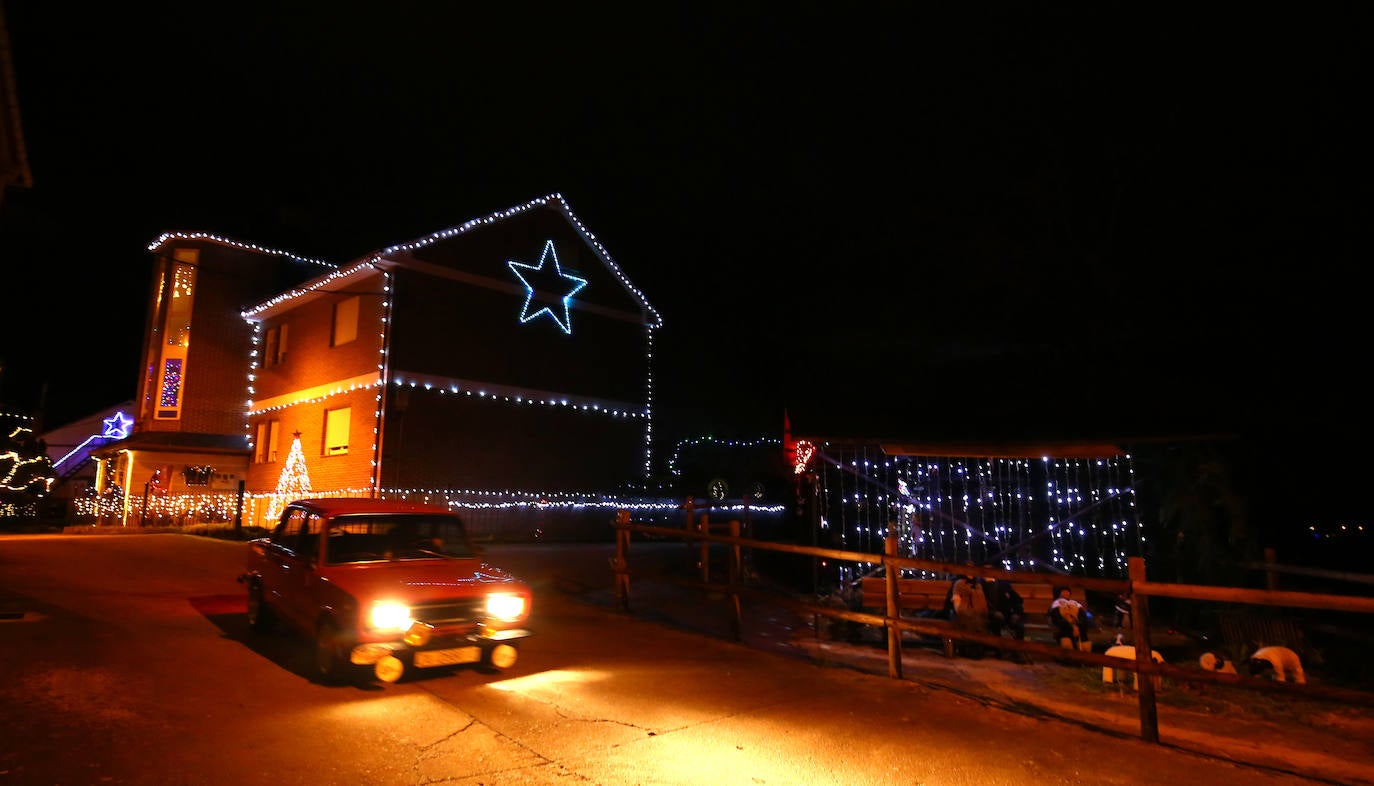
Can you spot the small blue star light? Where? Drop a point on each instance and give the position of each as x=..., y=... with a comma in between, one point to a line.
x=554, y=280
x=117, y=425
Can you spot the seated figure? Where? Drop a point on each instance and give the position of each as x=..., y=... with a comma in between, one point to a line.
x=1069, y=620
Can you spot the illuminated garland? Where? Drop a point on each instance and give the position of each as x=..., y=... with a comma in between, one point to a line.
x=676, y=471
x=513, y=396
x=489, y=393
x=16, y=463
x=24, y=474
x=1338, y=531
x=806, y=450
x=557, y=202
x=162, y=239
x=956, y=509
x=315, y=286
x=263, y=510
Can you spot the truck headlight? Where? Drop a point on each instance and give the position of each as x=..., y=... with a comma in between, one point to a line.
x=389, y=615
x=505, y=606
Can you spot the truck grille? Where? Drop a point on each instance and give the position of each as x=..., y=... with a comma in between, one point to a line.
x=464, y=611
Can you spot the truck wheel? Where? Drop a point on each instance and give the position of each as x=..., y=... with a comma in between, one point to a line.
x=260, y=619
x=501, y=656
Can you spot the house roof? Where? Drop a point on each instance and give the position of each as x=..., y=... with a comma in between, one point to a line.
x=206, y=237
x=176, y=442
x=557, y=202
x=365, y=265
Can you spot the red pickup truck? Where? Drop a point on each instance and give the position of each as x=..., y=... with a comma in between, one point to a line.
x=386, y=584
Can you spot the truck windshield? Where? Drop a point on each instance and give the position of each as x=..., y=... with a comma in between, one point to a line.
x=373, y=537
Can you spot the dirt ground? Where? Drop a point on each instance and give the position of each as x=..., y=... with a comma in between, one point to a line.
x=1326, y=741
x=1323, y=740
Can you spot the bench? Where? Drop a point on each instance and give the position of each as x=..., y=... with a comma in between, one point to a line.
x=926, y=597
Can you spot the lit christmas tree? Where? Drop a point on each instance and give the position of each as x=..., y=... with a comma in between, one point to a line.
x=26, y=472
x=294, y=482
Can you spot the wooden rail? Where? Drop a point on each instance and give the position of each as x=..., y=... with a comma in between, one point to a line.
x=895, y=623
x=1141, y=591
x=917, y=595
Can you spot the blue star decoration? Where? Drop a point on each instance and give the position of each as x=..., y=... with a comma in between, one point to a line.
x=117, y=425
x=551, y=279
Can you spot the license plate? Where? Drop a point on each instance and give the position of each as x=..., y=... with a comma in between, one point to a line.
x=429, y=658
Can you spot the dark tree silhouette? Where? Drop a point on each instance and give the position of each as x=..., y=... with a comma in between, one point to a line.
x=26, y=472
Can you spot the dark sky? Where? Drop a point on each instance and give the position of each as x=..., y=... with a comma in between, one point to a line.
x=890, y=220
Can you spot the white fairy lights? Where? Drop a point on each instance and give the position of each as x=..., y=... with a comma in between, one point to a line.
x=956, y=509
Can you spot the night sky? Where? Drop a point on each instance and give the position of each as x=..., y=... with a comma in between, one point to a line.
x=885, y=220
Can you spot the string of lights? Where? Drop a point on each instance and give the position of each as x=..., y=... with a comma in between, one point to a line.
x=961, y=509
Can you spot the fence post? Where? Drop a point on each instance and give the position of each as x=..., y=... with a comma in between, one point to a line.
x=894, y=633
x=620, y=563
x=704, y=560
x=238, y=509
x=689, y=524
x=736, y=576
x=1144, y=655
x=1271, y=577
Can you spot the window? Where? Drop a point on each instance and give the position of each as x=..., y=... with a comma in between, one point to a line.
x=275, y=353
x=289, y=528
x=298, y=532
x=197, y=474
x=178, y=298
x=265, y=446
x=336, y=431
x=345, y=321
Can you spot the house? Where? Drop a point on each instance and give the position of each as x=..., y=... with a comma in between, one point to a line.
x=509, y=356
x=71, y=444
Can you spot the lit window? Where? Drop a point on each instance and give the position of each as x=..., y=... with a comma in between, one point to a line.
x=265, y=449
x=336, y=431
x=177, y=299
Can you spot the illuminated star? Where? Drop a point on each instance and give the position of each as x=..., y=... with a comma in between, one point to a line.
x=554, y=280
x=117, y=426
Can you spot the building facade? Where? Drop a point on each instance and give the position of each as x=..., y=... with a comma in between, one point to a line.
x=508, y=356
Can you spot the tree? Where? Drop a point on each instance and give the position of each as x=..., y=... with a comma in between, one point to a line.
x=26, y=472
x=294, y=481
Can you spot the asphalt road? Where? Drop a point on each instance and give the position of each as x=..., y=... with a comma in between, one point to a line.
x=127, y=660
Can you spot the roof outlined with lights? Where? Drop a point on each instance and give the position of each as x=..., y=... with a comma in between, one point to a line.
x=397, y=255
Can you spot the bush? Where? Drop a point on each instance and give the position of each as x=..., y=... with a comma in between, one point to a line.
x=225, y=531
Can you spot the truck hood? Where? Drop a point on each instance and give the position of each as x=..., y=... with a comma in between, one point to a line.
x=421, y=581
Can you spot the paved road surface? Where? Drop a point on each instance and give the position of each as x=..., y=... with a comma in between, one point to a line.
x=127, y=660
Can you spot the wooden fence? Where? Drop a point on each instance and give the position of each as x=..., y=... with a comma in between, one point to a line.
x=700, y=531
